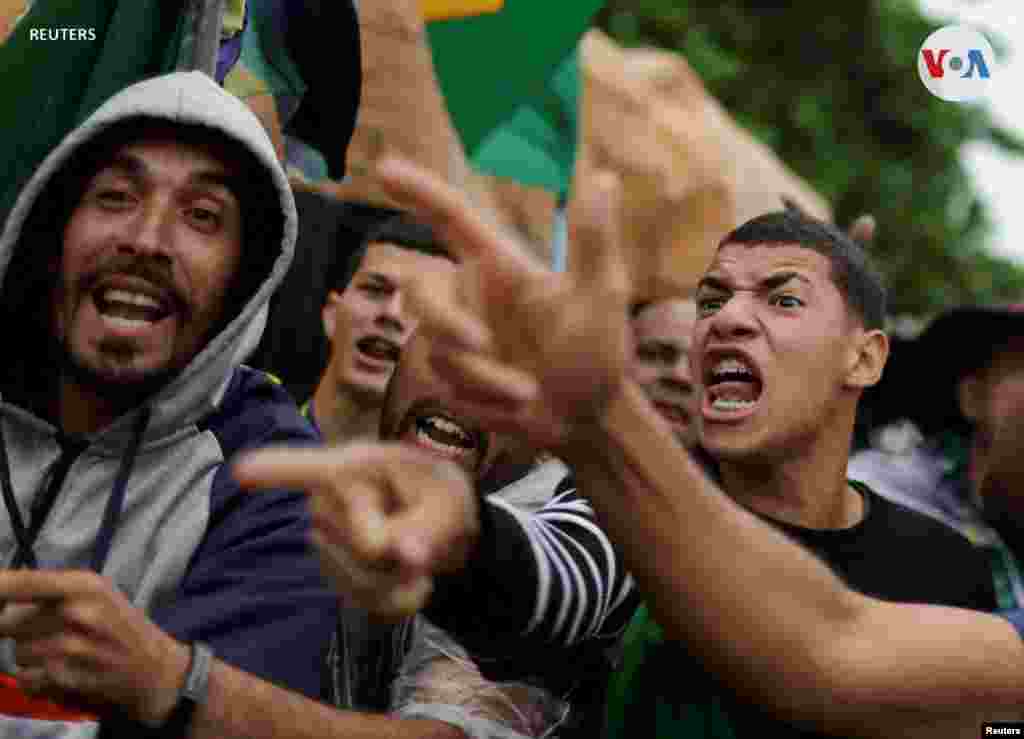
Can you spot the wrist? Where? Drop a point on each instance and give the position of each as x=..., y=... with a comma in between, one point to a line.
x=591, y=432
x=161, y=700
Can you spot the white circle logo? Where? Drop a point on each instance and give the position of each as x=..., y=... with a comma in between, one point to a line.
x=956, y=63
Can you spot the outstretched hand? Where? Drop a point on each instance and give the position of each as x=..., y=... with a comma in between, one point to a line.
x=525, y=349
x=386, y=517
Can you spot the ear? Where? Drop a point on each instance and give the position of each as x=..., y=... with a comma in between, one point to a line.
x=868, y=356
x=969, y=391
x=329, y=314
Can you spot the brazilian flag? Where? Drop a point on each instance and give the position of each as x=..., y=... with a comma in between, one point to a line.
x=50, y=86
x=509, y=73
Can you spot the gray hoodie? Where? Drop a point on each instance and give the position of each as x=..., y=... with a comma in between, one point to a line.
x=149, y=501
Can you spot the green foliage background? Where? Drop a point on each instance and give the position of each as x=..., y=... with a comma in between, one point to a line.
x=833, y=89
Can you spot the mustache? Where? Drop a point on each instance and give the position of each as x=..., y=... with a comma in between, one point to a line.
x=148, y=269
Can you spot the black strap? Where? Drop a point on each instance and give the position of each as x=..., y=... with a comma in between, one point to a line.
x=11, y=503
x=71, y=447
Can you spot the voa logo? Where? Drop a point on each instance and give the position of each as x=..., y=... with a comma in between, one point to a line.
x=956, y=63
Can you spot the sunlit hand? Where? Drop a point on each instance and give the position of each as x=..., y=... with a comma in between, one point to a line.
x=386, y=517
x=78, y=641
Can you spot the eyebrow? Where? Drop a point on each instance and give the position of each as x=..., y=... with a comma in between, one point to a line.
x=136, y=170
x=768, y=283
x=661, y=345
x=379, y=277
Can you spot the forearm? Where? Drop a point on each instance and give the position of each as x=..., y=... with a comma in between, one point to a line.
x=760, y=609
x=240, y=706
x=562, y=581
x=696, y=555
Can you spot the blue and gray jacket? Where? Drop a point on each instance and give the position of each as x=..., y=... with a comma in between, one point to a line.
x=149, y=501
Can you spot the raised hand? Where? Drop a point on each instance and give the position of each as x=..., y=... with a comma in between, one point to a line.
x=525, y=349
x=386, y=517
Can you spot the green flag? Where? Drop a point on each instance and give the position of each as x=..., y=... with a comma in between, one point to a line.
x=53, y=79
x=491, y=63
x=536, y=146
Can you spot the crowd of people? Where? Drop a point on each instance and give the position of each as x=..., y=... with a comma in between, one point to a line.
x=516, y=502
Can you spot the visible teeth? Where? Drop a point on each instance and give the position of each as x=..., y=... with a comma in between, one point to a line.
x=130, y=298
x=448, y=449
x=731, y=365
x=125, y=322
x=444, y=424
x=723, y=404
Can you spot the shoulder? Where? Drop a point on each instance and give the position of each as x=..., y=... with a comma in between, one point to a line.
x=255, y=411
x=885, y=514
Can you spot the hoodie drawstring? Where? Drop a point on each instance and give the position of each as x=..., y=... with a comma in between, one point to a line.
x=115, y=503
x=71, y=448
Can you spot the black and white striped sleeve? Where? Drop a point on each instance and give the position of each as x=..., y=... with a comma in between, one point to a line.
x=549, y=576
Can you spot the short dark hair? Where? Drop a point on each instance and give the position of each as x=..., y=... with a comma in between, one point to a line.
x=400, y=229
x=852, y=270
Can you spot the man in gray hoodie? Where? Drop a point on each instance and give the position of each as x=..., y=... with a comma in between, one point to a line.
x=144, y=592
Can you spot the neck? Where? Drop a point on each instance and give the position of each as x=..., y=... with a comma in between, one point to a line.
x=343, y=416
x=808, y=490
x=977, y=460
x=78, y=410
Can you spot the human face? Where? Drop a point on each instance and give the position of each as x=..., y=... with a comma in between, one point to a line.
x=663, y=334
x=417, y=411
x=149, y=253
x=778, y=352
x=990, y=393
x=370, y=322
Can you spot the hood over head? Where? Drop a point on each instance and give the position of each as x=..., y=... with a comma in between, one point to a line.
x=33, y=234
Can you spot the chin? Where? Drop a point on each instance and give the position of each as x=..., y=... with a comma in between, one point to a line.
x=106, y=378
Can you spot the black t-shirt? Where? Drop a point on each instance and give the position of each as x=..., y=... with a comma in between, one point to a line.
x=893, y=554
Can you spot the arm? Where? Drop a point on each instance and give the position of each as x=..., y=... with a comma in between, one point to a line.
x=850, y=663
x=546, y=357
x=561, y=583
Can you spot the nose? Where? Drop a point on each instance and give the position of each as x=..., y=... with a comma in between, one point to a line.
x=149, y=233
x=735, y=319
x=392, y=315
x=680, y=378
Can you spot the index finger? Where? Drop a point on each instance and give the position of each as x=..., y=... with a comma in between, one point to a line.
x=33, y=585
x=595, y=232
x=456, y=219
x=286, y=467
x=312, y=467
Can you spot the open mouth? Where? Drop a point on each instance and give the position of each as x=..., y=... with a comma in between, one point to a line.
x=732, y=385
x=131, y=306
x=378, y=348
x=440, y=433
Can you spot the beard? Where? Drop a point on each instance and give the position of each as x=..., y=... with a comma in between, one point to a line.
x=119, y=388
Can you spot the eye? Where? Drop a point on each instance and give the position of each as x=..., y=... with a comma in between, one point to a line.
x=375, y=289
x=787, y=301
x=708, y=305
x=204, y=218
x=648, y=353
x=113, y=198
